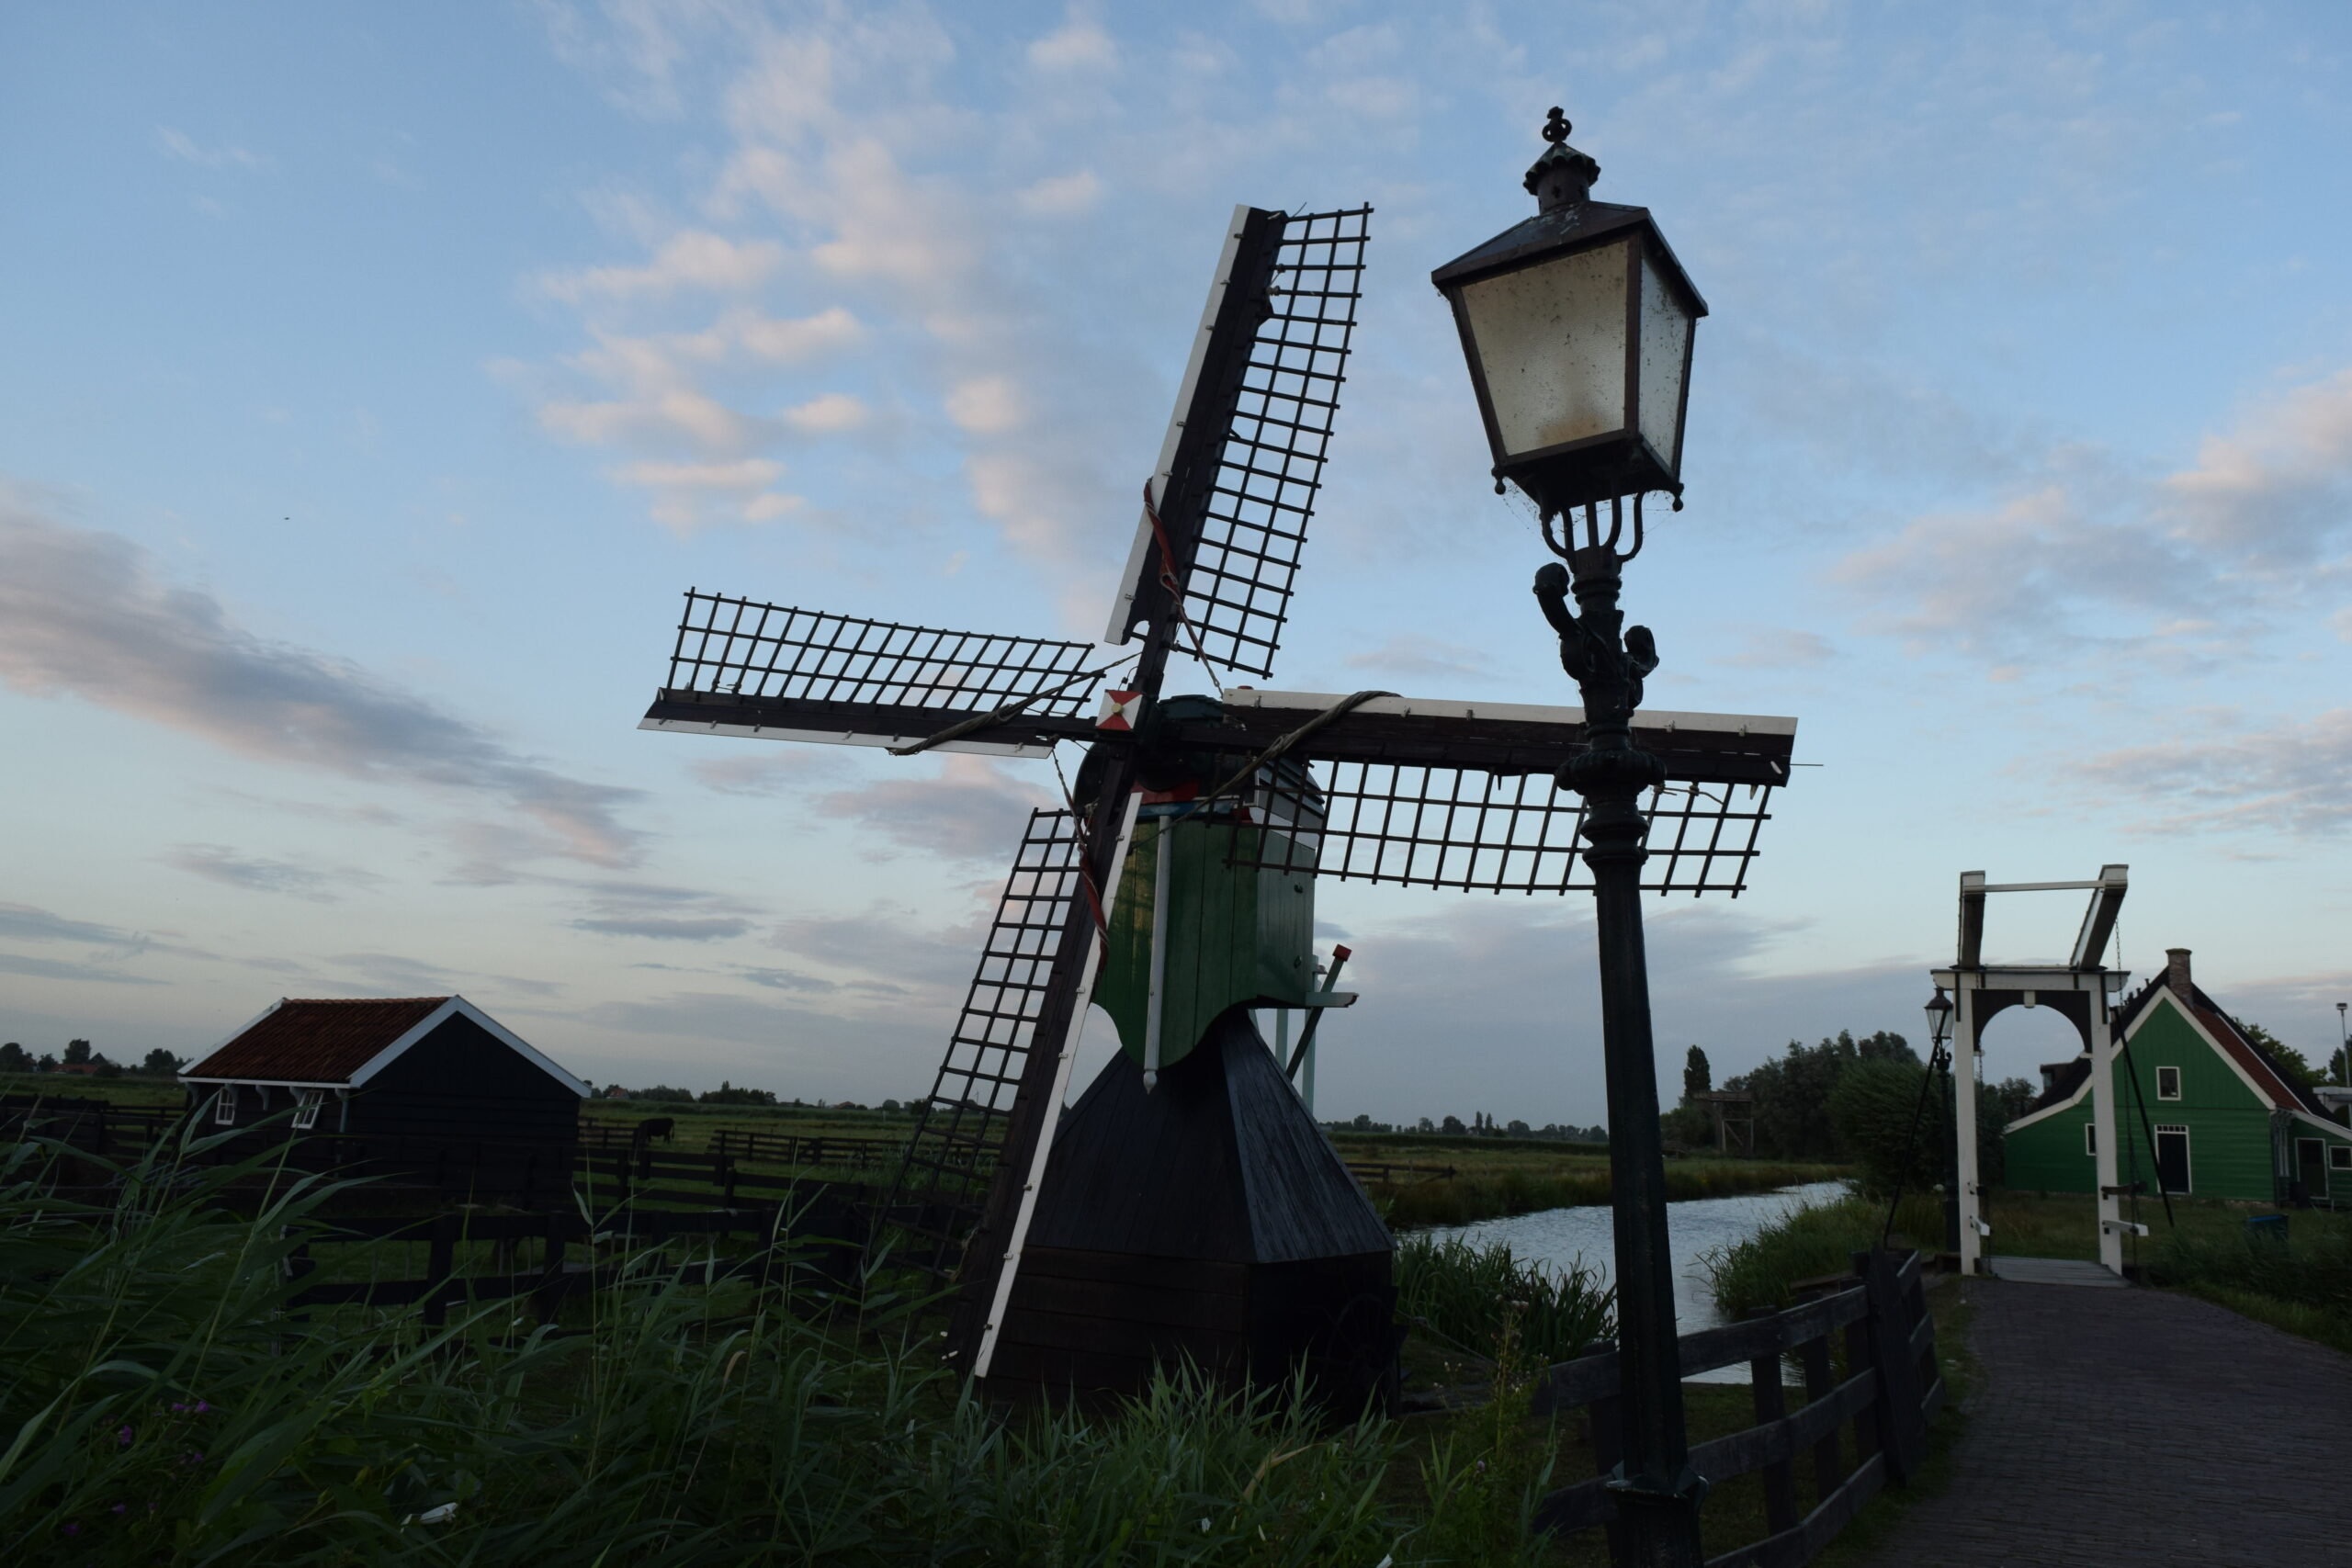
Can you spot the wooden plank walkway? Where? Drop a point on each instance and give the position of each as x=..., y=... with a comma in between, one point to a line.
x=2053, y=1271
x=2135, y=1428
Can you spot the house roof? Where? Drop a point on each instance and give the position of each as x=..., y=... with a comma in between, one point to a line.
x=2270, y=1079
x=315, y=1041
x=2064, y=1078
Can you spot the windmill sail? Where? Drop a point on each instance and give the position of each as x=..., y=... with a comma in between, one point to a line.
x=959, y=1134
x=1243, y=458
x=1460, y=795
x=742, y=667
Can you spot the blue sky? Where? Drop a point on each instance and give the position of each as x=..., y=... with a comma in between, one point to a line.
x=373, y=380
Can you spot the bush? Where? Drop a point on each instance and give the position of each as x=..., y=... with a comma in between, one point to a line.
x=727, y=1094
x=1812, y=1243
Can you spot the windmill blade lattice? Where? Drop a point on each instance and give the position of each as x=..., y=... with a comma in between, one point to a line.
x=1254, y=515
x=743, y=648
x=1428, y=825
x=959, y=1133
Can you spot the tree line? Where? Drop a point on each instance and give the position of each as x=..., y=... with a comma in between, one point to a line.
x=80, y=1054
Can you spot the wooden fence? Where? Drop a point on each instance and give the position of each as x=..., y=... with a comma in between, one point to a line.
x=1881, y=1408
x=824, y=1225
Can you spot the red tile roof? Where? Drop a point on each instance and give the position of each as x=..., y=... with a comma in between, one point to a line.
x=316, y=1042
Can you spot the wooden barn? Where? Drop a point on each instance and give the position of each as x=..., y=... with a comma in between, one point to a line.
x=2228, y=1121
x=407, y=1070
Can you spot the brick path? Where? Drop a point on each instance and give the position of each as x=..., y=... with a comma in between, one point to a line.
x=2138, y=1428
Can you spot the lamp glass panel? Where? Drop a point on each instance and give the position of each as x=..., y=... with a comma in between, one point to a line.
x=1551, y=339
x=1665, y=342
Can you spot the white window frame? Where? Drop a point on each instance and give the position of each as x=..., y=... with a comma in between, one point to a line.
x=2188, y=1168
x=306, y=1108
x=2340, y=1157
x=2160, y=1083
x=2090, y=1139
x=224, y=1109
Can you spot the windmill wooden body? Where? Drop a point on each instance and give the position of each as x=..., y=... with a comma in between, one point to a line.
x=1186, y=1204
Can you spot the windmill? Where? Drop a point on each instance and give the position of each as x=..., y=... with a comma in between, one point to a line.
x=1187, y=1204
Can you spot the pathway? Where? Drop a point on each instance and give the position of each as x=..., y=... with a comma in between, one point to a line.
x=2134, y=1428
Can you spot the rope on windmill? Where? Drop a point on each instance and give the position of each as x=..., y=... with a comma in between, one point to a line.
x=1345, y=706
x=962, y=727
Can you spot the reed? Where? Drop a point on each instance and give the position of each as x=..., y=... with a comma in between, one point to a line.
x=1476, y=1296
x=162, y=1403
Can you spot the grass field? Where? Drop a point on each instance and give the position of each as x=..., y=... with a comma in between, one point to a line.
x=1493, y=1176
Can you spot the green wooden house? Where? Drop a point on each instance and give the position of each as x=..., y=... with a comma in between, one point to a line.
x=2229, y=1122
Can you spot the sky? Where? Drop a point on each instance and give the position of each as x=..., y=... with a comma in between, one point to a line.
x=375, y=379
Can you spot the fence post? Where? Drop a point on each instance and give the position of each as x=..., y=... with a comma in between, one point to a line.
x=1820, y=1382
x=1772, y=1404
x=1902, y=1427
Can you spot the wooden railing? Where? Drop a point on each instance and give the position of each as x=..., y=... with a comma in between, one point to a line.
x=1373, y=1170
x=1880, y=1408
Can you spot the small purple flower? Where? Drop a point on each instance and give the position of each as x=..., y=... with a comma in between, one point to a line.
x=124, y=1508
x=73, y=1530
x=123, y=1437
x=177, y=1405
x=201, y=1408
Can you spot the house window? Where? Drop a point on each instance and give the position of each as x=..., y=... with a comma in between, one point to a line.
x=306, y=1107
x=2090, y=1138
x=2167, y=1083
x=224, y=1108
x=2340, y=1157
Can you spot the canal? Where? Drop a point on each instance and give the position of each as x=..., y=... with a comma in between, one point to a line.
x=1562, y=1237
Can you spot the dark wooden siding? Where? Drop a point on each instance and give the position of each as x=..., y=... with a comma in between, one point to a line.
x=461, y=1084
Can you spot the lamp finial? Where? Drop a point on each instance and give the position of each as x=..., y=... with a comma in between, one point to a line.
x=1561, y=180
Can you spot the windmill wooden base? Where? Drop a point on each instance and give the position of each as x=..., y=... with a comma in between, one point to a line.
x=1209, y=1220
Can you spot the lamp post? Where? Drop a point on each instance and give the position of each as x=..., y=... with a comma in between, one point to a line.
x=1940, y=1010
x=1578, y=326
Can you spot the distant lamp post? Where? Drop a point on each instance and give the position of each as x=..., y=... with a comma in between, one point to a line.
x=1578, y=325
x=1940, y=1012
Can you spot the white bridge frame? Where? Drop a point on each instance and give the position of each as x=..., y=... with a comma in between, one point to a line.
x=2082, y=991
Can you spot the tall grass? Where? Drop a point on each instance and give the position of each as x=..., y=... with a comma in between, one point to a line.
x=1477, y=1296
x=1493, y=1191
x=2302, y=1283
x=158, y=1404
x=1811, y=1243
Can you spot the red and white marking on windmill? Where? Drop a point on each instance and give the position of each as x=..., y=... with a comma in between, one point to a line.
x=1120, y=710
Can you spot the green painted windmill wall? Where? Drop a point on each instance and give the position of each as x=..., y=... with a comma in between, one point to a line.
x=1236, y=934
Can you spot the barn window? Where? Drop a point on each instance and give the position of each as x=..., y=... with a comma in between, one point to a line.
x=224, y=1109
x=2167, y=1083
x=2340, y=1157
x=2090, y=1138
x=306, y=1107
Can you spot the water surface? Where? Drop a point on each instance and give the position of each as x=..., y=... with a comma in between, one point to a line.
x=1693, y=1228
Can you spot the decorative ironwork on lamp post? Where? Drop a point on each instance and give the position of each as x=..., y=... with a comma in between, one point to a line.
x=1578, y=326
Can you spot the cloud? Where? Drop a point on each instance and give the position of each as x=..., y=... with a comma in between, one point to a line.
x=972, y=810
x=833, y=413
x=695, y=259
x=83, y=614
x=986, y=405
x=1078, y=45
x=217, y=862
x=687, y=492
x=2295, y=778
x=1061, y=196
x=781, y=770
x=2088, y=554
x=24, y=923
x=176, y=144
x=665, y=927
x=1409, y=653
x=56, y=969
x=1779, y=647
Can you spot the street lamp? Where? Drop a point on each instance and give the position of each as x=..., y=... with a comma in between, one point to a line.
x=1577, y=324
x=1939, y=1013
